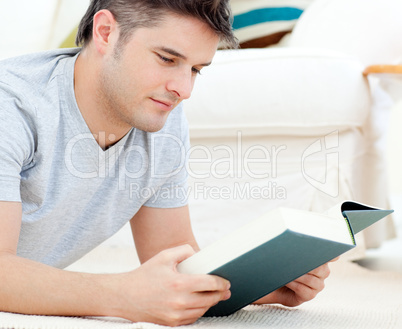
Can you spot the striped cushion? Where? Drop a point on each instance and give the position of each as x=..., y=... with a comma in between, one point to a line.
x=260, y=23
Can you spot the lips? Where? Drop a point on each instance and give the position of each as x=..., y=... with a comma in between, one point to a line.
x=164, y=105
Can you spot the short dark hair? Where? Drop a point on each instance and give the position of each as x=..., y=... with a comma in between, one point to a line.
x=132, y=14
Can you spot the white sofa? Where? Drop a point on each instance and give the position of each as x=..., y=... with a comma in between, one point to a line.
x=291, y=103
x=306, y=110
x=278, y=127
x=30, y=26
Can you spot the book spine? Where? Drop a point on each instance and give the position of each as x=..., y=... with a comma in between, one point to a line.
x=350, y=229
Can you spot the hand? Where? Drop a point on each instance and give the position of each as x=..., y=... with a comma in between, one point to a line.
x=157, y=293
x=301, y=290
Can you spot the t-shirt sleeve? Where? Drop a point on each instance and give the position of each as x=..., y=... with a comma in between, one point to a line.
x=172, y=146
x=16, y=142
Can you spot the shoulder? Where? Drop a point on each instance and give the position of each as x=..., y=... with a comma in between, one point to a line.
x=25, y=80
x=28, y=90
x=32, y=71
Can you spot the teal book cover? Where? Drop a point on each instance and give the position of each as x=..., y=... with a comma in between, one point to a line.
x=280, y=257
x=271, y=266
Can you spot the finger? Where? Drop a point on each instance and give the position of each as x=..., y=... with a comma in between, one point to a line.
x=335, y=259
x=192, y=312
x=182, y=317
x=176, y=255
x=207, y=282
x=207, y=299
x=308, y=280
x=302, y=292
x=321, y=272
x=189, y=316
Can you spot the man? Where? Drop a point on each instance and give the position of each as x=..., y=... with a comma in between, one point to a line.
x=77, y=128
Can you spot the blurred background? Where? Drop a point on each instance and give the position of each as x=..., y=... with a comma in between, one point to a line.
x=29, y=26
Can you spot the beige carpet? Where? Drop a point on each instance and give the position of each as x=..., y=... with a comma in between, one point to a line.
x=354, y=298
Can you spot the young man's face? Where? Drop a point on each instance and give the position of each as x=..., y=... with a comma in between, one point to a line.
x=141, y=84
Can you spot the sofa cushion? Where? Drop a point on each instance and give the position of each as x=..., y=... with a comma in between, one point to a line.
x=367, y=29
x=278, y=91
x=261, y=23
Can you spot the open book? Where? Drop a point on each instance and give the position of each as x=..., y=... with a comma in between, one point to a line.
x=277, y=248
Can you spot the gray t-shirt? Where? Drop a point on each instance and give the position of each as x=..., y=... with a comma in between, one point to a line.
x=75, y=195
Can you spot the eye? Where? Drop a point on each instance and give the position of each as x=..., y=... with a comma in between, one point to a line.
x=165, y=59
x=196, y=71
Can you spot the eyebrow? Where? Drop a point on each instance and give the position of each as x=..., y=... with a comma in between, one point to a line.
x=177, y=54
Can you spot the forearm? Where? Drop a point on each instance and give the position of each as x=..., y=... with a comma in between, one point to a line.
x=32, y=288
x=154, y=292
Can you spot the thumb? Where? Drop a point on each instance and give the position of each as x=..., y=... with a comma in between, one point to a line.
x=180, y=253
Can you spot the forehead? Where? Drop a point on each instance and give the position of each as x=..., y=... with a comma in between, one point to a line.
x=188, y=36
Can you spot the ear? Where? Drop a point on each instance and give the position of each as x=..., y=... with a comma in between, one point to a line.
x=104, y=32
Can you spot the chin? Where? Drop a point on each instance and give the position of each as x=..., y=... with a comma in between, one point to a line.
x=153, y=130
x=151, y=122
x=151, y=127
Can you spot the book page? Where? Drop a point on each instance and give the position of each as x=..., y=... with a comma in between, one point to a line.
x=235, y=243
x=318, y=225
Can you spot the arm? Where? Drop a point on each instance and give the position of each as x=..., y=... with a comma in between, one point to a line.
x=156, y=229
x=33, y=288
x=163, y=238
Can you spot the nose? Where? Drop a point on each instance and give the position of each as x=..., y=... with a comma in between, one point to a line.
x=181, y=84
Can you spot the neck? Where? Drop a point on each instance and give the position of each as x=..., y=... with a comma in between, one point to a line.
x=96, y=116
